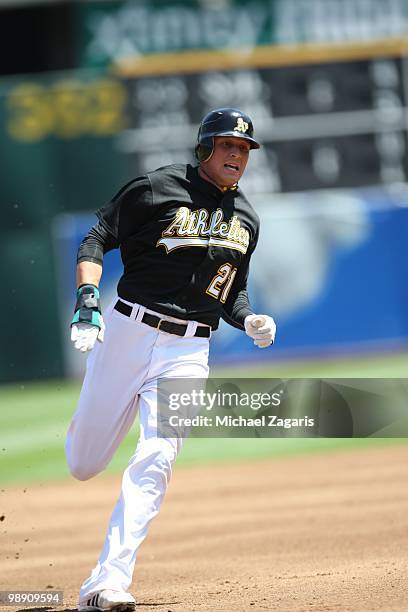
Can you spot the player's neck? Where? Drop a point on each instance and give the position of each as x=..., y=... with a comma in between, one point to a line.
x=208, y=178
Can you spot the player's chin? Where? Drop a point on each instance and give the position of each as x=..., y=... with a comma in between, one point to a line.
x=229, y=179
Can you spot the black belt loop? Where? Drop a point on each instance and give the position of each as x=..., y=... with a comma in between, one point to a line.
x=169, y=327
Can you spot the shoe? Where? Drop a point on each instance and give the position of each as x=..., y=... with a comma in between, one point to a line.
x=119, y=601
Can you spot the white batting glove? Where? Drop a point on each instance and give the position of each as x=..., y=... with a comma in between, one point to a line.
x=84, y=335
x=261, y=328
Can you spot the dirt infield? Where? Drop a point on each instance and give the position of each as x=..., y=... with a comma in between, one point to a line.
x=322, y=532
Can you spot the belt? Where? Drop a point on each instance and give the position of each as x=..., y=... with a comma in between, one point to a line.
x=162, y=324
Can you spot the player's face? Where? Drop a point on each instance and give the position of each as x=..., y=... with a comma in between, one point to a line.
x=228, y=161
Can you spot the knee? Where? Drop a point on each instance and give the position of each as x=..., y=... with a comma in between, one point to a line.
x=156, y=456
x=81, y=472
x=166, y=450
x=163, y=458
x=80, y=468
x=81, y=462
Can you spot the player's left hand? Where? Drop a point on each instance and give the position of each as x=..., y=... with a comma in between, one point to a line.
x=261, y=328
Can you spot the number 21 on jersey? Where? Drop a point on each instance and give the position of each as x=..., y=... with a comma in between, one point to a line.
x=221, y=284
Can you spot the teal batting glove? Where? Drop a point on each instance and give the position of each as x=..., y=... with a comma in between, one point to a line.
x=88, y=307
x=87, y=326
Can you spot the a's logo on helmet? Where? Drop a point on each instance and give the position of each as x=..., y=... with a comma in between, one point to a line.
x=241, y=126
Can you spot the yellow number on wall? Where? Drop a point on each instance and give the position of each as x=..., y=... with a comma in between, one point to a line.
x=68, y=109
x=31, y=116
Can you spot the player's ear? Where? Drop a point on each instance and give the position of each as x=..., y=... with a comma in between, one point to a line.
x=203, y=153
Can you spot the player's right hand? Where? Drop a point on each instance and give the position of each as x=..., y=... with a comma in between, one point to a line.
x=87, y=326
x=84, y=335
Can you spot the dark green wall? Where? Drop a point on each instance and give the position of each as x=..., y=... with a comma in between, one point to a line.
x=56, y=155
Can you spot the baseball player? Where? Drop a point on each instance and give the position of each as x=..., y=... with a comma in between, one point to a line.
x=186, y=235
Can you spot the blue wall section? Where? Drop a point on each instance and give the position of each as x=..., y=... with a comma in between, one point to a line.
x=362, y=300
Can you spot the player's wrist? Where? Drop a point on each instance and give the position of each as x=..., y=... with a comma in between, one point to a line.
x=88, y=288
x=88, y=307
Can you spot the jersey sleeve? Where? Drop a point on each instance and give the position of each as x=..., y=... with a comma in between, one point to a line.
x=96, y=243
x=127, y=210
x=238, y=306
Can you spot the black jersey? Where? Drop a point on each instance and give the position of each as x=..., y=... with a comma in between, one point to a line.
x=184, y=243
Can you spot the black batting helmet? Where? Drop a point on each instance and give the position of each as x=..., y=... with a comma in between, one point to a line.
x=223, y=122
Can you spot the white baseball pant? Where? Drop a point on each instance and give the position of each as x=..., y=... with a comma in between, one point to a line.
x=121, y=379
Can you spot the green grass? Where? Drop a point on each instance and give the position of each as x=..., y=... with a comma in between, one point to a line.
x=34, y=418
x=376, y=366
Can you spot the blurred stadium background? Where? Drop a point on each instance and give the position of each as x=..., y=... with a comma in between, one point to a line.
x=93, y=93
